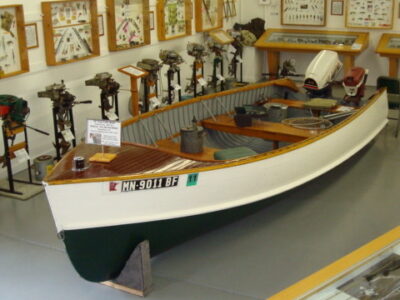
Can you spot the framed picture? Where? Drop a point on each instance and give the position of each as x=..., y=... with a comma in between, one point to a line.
x=208, y=14
x=337, y=7
x=70, y=30
x=31, y=35
x=227, y=9
x=152, y=25
x=173, y=19
x=128, y=24
x=303, y=12
x=100, y=20
x=13, y=50
x=370, y=14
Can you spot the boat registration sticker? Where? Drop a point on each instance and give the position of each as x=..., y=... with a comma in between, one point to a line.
x=143, y=184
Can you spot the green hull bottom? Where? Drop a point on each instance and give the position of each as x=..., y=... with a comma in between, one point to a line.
x=99, y=254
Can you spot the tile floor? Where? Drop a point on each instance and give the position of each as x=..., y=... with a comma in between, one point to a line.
x=299, y=232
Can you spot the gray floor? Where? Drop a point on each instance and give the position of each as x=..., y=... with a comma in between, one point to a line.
x=297, y=234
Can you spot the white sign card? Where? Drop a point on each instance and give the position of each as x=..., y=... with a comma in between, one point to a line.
x=103, y=132
x=134, y=71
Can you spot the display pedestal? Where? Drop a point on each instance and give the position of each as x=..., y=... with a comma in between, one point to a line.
x=135, y=278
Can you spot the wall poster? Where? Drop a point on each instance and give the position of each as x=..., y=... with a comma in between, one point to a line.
x=128, y=24
x=303, y=12
x=173, y=19
x=71, y=30
x=370, y=14
x=13, y=51
x=209, y=14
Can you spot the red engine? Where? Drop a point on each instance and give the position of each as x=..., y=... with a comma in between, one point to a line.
x=354, y=85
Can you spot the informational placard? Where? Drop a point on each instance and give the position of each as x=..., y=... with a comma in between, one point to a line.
x=104, y=133
x=303, y=12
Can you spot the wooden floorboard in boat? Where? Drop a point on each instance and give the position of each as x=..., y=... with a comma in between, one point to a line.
x=131, y=160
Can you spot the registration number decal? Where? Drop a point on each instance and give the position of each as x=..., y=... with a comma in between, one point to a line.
x=144, y=184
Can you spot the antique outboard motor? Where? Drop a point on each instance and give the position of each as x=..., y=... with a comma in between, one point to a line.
x=321, y=73
x=354, y=85
x=192, y=138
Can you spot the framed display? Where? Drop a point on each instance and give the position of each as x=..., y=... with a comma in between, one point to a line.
x=100, y=20
x=128, y=24
x=70, y=30
x=13, y=51
x=222, y=37
x=173, y=19
x=303, y=12
x=208, y=14
x=337, y=7
x=233, y=8
x=370, y=14
x=32, y=40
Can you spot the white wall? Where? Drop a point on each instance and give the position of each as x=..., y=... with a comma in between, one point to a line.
x=27, y=85
x=376, y=64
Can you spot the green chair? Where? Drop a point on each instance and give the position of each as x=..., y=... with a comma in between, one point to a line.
x=393, y=89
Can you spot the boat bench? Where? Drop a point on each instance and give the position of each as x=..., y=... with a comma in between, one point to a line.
x=276, y=132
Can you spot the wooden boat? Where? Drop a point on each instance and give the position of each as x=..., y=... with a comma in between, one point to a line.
x=154, y=191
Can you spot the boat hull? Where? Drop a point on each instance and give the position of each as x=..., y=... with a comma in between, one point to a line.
x=103, y=228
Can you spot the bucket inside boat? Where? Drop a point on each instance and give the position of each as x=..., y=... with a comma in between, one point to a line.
x=192, y=139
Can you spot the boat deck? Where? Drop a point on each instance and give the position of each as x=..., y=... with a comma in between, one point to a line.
x=131, y=160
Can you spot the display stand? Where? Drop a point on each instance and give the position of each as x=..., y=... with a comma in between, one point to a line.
x=346, y=43
x=198, y=77
x=135, y=278
x=134, y=73
x=389, y=46
x=218, y=72
x=171, y=87
x=9, y=133
x=60, y=141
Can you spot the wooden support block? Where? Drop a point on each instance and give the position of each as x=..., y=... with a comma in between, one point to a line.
x=135, y=278
x=103, y=157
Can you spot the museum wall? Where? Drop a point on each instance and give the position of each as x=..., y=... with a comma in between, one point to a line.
x=74, y=74
x=368, y=59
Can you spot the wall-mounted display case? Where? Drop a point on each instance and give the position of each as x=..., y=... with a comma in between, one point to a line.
x=13, y=50
x=389, y=46
x=303, y=12
x=208, y=14
x=70, y=30
x=370, y=14
x=174, y=19
x=349, y=44
x=128, y=24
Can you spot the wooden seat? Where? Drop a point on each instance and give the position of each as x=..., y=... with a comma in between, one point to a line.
x=276, y=132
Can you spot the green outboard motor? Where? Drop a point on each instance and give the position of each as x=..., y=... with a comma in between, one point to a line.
x=13, y=109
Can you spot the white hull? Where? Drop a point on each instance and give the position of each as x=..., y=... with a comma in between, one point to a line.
x=90, y=205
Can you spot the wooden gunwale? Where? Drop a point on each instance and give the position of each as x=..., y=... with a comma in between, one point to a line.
x=234, y=163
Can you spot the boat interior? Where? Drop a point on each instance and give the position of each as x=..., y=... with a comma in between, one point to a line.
x=236, y=124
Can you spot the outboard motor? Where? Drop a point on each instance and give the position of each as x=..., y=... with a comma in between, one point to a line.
x=354, y=85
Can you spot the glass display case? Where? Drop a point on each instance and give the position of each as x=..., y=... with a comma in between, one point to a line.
x=348, y=44
x=370, y=272
x=389, y=46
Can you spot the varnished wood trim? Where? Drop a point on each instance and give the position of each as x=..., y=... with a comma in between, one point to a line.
x=335, y=271
x=238, y=162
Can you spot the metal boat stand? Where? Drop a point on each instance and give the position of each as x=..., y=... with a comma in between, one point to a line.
x=135, y=278
x=9, y=152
